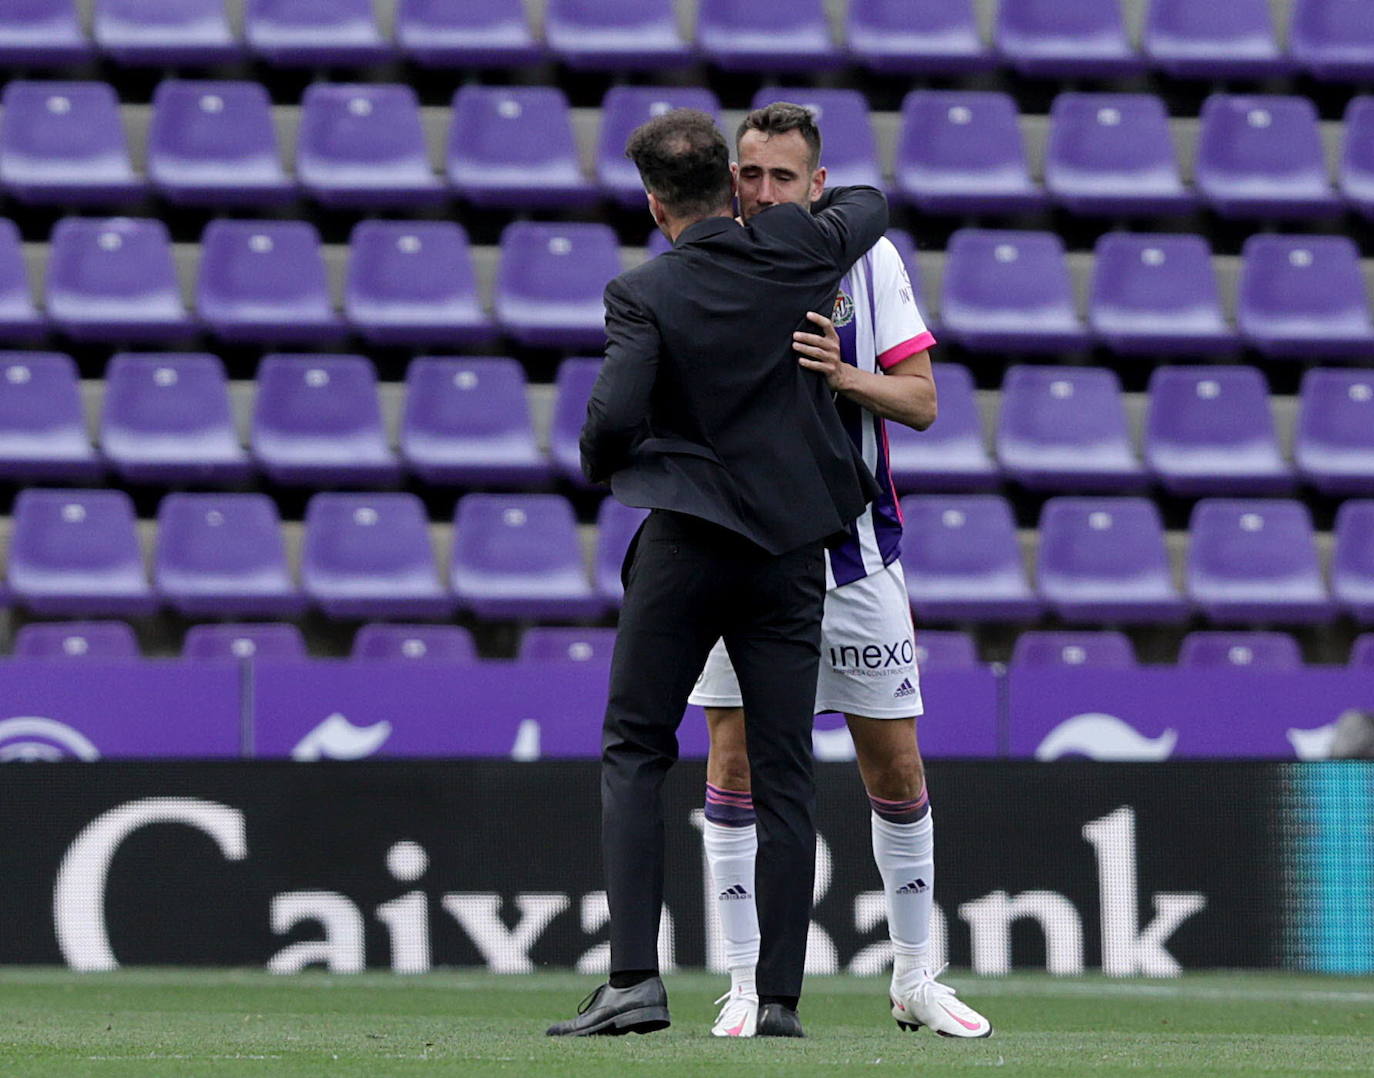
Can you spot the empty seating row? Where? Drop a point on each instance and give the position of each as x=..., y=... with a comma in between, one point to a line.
x=936, y=649
x=77, y=552
x=1206, y=430
x=1102, y=560
x=317, y=419
x=1327, y=38
x=386, y=641
x=407, y=281
x=362, y=145
x=517, y=556
x=415, y=282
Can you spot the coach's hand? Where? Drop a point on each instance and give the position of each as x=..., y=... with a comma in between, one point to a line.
x=820, y=352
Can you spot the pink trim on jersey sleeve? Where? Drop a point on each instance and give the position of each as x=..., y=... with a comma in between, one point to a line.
x=906, y=349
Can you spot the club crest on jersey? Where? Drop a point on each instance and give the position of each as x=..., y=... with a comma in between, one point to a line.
x=844, y=309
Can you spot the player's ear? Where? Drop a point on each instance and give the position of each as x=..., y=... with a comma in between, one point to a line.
x=656, y=211
x=817, y=184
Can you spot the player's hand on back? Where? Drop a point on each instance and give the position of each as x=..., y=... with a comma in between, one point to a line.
x=820, y=352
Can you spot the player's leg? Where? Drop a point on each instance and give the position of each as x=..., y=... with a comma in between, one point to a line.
x=730, y=841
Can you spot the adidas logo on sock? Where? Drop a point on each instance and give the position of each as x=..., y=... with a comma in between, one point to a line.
x=905, y=689
x=915, y=887
x=736, y=891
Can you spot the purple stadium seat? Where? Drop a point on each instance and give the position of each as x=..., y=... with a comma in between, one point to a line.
x=1009, y=291
x=467, y=421
x=513, y=146
x=361, y=145
x=76, y=552
x=414, y=643
x=518, y=556
x=317, y=420
x=1110, y=650
x=1209, y=430
x=1113, y=154
x=945, y=649
x=214, y=144
x=1253, y=650
x=1333, y=39
x=550, y=283
x=615, y=34
x=1064, y=428
x=42, y=426
x=1303, y=297
x=573, y=388
x=165, y=31
x=412, y=282
x=1352, y=563
x=622, y=110
x=18, y=317
x=1156, y=293
x=916, y=36
x=1357, y=157
x=962, y=152
x=222, y=555
x=1103, y=559
x=370, y=556
x=166, y=418
x=1261, y=156
x=113, y=279
x=311, y=33
x=475, y=33
x=64, y=142
x=849, y=152
x=1234, y=39
x=616, y=525
x=41, y=33
x=248, y=640
x=1333, y=442
x=766, y=35
x=265, y=281
x=952, y=454
x=1255, y=561
x=962, y=560
x=544, y=643
x=1068, y=38
x=1362, y=651
x=98, y=640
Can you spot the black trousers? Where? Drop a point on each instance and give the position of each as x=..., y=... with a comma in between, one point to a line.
x=689, y=583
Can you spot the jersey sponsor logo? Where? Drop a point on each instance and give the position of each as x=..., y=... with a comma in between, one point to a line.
x=844, y=309
x=889, y=657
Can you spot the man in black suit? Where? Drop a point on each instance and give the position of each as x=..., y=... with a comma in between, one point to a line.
x=703, y=414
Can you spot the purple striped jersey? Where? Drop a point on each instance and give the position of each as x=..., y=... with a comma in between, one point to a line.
x=879, y=325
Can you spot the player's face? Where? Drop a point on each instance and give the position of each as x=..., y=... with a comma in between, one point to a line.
x=776, y=169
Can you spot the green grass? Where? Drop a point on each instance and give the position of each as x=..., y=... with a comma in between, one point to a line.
x=150, y=1023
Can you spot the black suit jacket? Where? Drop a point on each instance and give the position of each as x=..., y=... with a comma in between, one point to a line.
x=701, y=406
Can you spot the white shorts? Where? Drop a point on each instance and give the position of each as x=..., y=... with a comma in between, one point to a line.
x=868, y=654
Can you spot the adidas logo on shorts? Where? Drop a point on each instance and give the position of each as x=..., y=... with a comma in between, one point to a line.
x=904, y=689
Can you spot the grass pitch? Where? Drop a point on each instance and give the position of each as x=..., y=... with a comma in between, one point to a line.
x=152, y=1023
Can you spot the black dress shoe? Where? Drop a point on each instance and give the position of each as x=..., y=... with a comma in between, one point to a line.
x=612, y=1012
x=775, y=1020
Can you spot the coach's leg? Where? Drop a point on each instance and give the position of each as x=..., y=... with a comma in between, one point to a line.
x=667, y=627
x=776, y=652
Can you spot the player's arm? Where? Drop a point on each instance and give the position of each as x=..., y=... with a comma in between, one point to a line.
x=619, y=405
x=904, y=393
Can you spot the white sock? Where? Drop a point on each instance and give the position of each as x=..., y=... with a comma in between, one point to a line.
x=905, y=855
x=730, y=851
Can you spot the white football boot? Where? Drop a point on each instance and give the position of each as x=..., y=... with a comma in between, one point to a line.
x=739, y=1017
x=935, y=1005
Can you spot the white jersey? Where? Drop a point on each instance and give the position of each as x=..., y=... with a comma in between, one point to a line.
x=879, y=325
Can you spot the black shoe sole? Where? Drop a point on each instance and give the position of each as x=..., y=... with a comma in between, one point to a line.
x=639, y=1020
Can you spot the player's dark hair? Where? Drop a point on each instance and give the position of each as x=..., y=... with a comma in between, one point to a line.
x=781, y=117
x=683, y=160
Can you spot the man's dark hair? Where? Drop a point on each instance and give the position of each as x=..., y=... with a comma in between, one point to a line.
x=683, y=160
x=781, y=117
